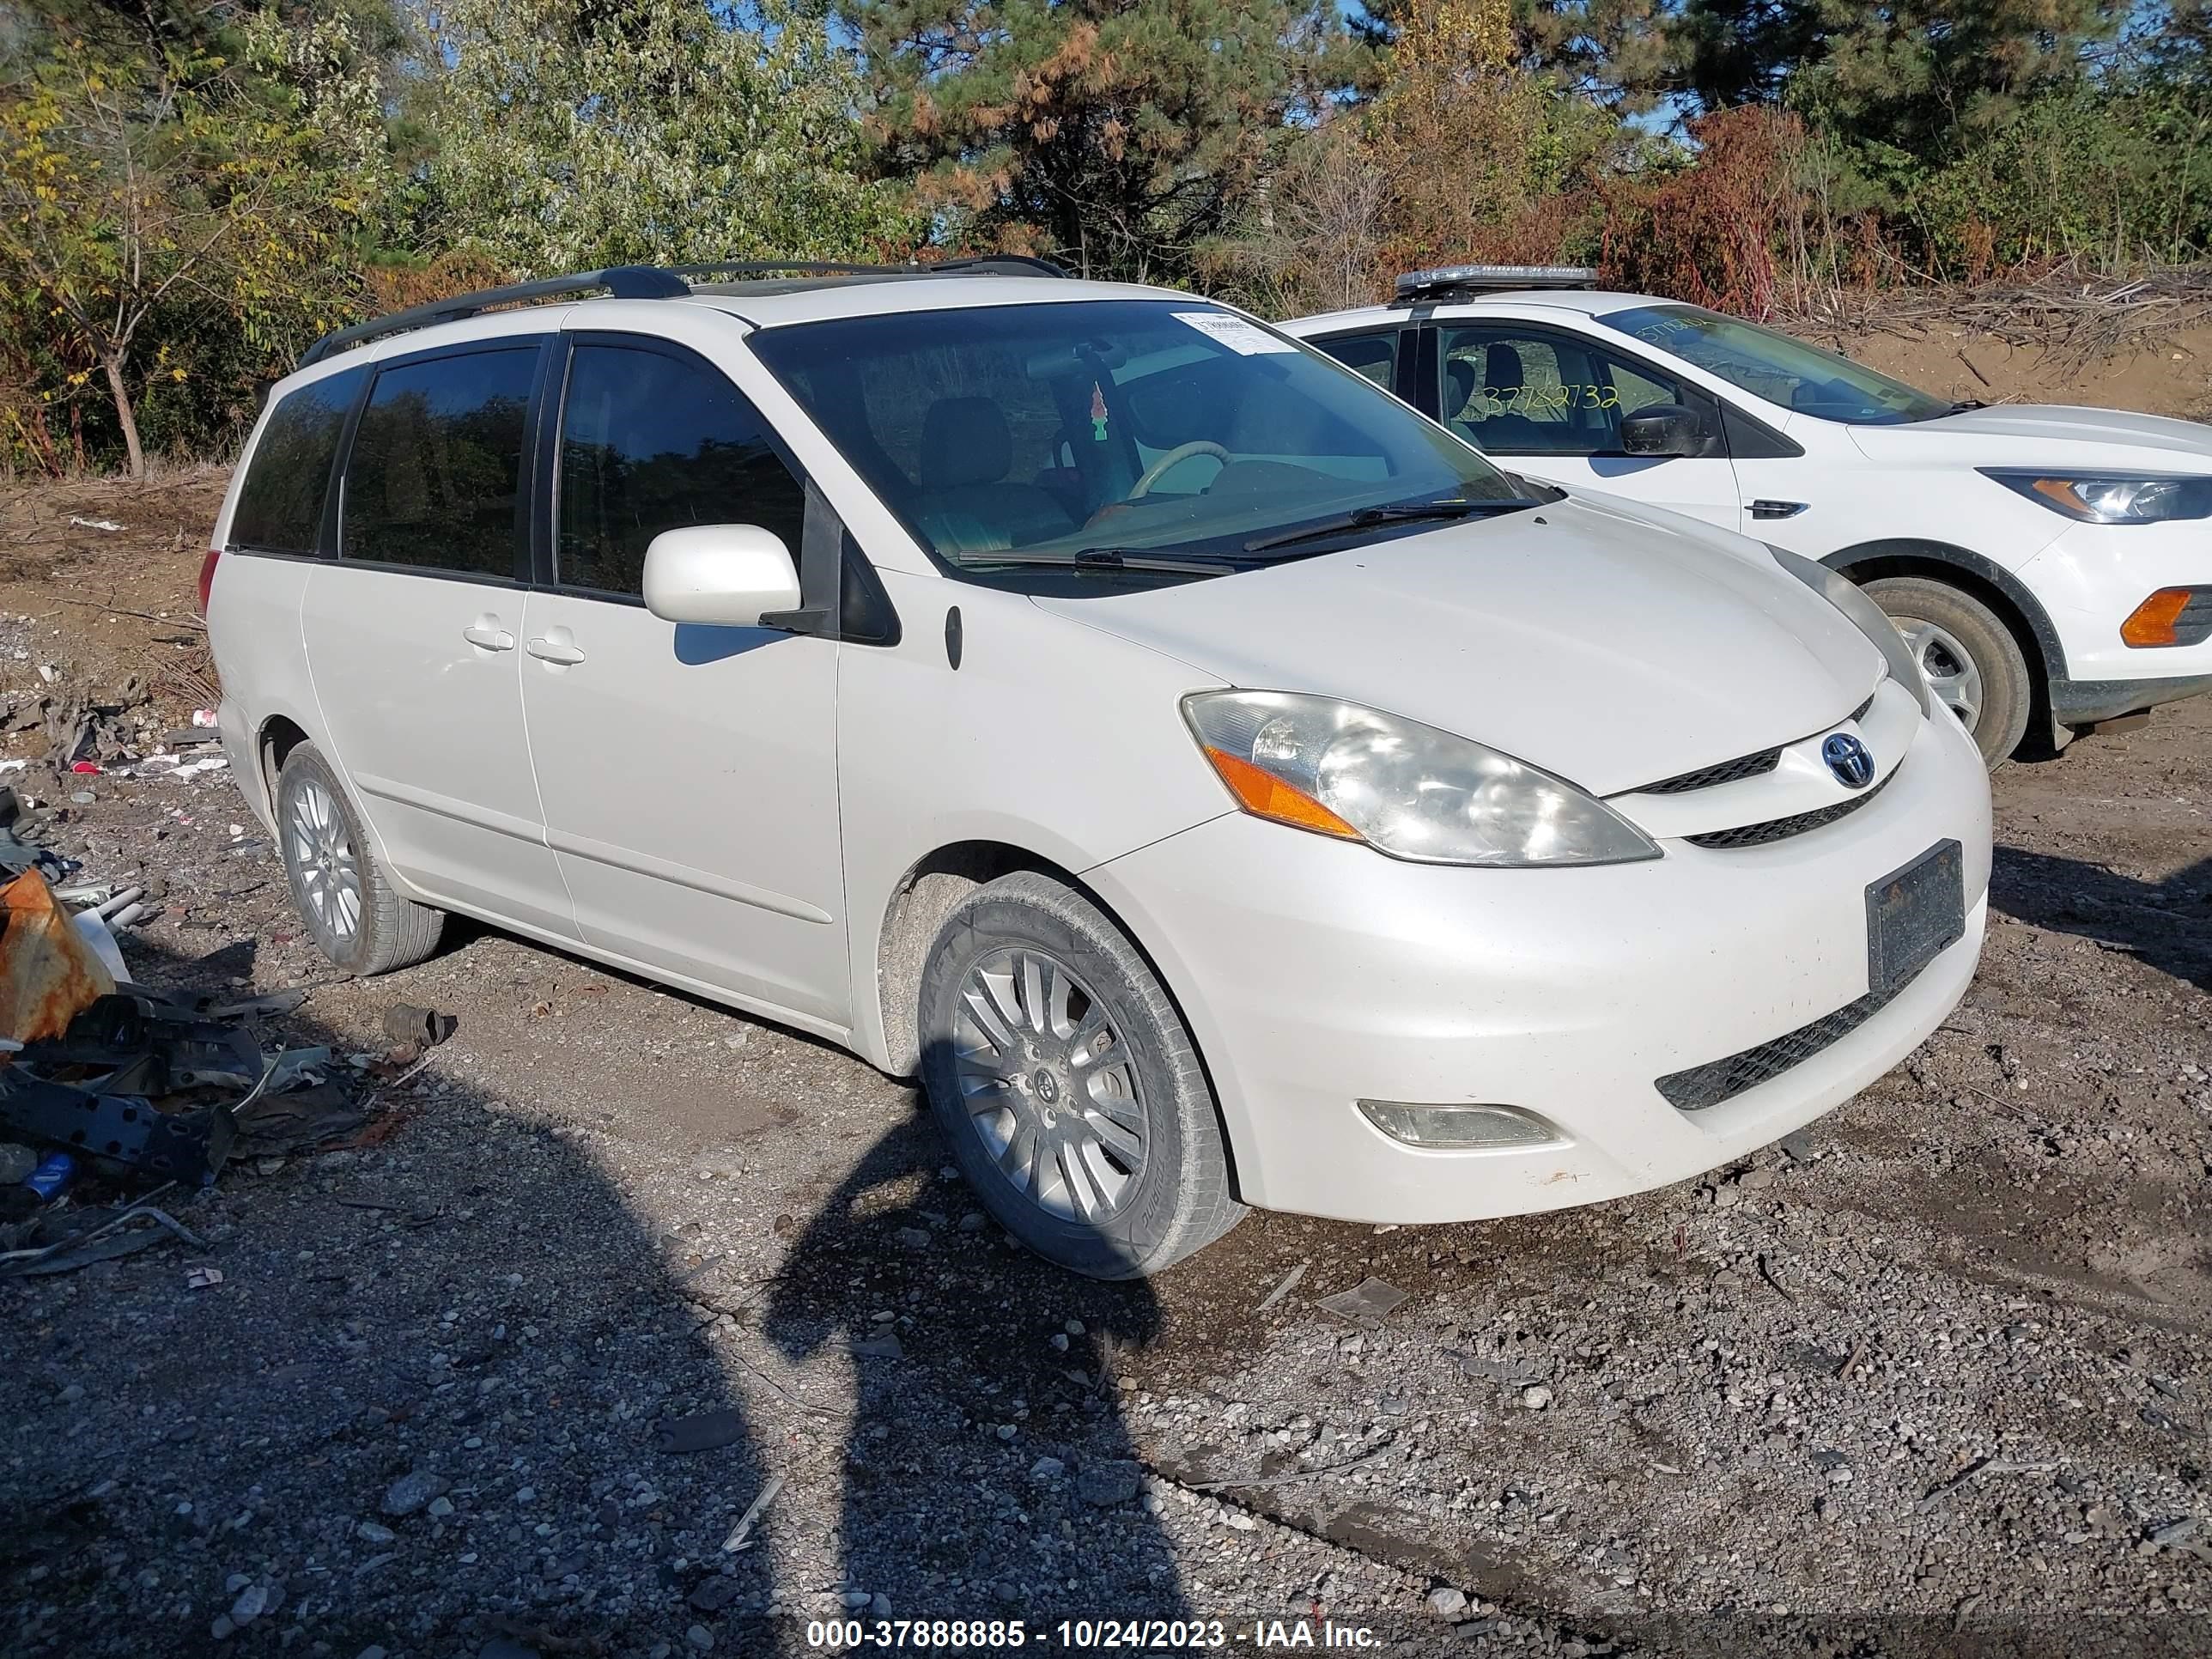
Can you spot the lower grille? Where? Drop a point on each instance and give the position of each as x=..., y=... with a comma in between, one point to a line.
x=1719, y=1080
x=2194, y=625
x=1757, y=835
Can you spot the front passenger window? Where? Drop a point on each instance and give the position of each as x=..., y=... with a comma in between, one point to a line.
x=651, y=443
x=1513, y=392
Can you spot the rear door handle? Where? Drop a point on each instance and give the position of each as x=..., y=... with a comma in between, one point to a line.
x=561, y=651
x=486, y=632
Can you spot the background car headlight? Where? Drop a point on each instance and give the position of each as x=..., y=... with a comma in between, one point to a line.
x=2110, y=498
x=1404, y=788
x=1866, y=616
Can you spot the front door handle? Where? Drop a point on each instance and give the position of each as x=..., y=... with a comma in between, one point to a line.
x=556, y=647
x=485, y=631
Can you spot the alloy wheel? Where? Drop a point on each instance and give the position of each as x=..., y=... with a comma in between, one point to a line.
x=323, y=854
x=1048, y=1085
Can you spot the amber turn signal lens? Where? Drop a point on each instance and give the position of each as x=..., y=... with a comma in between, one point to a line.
x=2152, y=621
x=1265, y=795
x=2060, y=492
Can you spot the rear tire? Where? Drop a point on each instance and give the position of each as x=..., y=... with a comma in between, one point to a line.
x=338, y=886
x=1063, y=1078
x=1974, y=666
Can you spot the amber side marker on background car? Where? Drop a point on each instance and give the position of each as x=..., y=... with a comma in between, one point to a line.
x=2155, y=620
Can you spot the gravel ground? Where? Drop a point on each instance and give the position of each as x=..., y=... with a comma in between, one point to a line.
x=1931, y=1378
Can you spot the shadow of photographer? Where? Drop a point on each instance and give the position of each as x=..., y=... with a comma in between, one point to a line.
x=418, y=1413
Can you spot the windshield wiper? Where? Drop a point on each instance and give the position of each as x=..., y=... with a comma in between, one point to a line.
x=1104, y=558
x=1368, y=517
x=1966, y=404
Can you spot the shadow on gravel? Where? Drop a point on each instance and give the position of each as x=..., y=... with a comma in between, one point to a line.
x=419, y=1411
x=989, y=1473
x=2167, y=924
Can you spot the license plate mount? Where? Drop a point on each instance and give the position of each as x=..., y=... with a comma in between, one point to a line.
x=1913, y=915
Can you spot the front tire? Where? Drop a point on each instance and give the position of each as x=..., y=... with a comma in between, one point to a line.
x=1063, y=1078
x=339, y=888
x=1973, y=664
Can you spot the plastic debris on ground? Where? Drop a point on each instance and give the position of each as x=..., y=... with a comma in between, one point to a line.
x=104, y=1079
x=19, y=854
x=1368, y=1302
x=48, y=972
x=80, y=1238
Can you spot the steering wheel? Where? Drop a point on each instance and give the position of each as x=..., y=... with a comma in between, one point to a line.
x=1172, y=460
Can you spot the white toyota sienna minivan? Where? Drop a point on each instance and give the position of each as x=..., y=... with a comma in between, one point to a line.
x=1219, y=784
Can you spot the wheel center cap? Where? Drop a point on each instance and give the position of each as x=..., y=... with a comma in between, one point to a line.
x=1046, y=1085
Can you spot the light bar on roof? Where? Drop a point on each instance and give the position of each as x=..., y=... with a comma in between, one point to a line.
x=1446, y=279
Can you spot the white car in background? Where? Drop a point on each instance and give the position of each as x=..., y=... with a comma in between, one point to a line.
x=2044, y=564
x=1219, y=784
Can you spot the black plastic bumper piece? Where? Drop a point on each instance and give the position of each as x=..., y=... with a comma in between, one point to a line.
x=2084, y=702
x=188, y=1147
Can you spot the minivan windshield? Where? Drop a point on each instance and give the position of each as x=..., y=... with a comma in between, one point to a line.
x=1776, y=368
x=1159, y=436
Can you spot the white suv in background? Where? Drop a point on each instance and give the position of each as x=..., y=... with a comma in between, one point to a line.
x=2050, y=564
x=1221, y=785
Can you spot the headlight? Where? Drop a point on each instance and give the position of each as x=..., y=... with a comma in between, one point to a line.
x=2108, y=498
x=1404, y=788
x=1866, y=616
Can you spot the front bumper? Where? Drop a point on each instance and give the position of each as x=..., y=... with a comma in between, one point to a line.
x=1314, y=973
x=2089, y=582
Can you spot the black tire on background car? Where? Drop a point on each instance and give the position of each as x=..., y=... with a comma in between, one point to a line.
x=340, y=889
x=1062, y=1075
x=1973, y=664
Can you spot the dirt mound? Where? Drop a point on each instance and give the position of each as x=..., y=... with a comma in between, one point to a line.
x=2168, y=375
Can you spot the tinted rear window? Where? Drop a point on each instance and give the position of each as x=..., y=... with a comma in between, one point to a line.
x=280, y=505
x=435, y=474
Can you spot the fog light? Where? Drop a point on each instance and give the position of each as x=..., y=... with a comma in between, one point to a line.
x=1460, y=1126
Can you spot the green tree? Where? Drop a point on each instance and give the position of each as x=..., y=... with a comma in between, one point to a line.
x=1613, y=54
x=574, y=134
x=1116, y=134
x=207, y=174
x=1917, y=76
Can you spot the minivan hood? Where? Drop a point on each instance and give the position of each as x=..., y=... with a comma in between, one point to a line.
x=1609, y=647
x=2047, y=434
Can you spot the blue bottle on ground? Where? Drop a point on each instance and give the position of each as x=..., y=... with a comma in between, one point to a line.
x=52, y=1175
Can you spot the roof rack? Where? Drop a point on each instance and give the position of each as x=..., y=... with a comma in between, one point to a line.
x=1416, y=285
x=650, y=282
x=622, y=282
x=999, y=264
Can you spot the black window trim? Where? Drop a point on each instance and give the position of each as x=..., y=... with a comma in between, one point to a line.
x=526, y=472
x=824, y=539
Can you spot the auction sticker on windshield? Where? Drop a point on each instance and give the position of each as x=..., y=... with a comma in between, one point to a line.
x=1234, y=332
